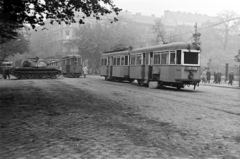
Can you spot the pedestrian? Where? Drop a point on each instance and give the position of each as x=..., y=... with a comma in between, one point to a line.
x=203, y=77
x=6, y=73
x=208, y=76
x=85, y=71
x=219, y=77
x=230, y=78
x=215, y=77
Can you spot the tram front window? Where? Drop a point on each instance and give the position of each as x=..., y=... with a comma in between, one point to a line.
x=190, y=58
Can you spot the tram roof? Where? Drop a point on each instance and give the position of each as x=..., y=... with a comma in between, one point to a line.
x=171, y=46
x=68, y=56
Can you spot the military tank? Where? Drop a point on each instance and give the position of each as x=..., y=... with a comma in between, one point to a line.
x=34, y=69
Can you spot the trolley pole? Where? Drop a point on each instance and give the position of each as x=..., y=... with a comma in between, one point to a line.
x=195, y=37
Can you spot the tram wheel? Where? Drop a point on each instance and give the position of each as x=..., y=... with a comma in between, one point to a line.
x=131, y=80
x=139, y=82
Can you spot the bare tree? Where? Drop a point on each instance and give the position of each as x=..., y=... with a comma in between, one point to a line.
x=160, y=32
x=230, y=25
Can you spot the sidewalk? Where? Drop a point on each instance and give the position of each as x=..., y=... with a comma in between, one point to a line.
x=222, y=84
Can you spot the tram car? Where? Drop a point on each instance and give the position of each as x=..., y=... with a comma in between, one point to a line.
x=70, y=65
x=175, y=64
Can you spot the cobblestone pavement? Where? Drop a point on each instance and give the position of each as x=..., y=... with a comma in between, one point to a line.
x=49, y=119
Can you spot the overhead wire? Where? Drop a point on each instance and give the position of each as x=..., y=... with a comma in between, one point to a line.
x=197, y=29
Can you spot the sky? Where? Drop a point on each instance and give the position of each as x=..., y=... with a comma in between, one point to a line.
x=157, y=7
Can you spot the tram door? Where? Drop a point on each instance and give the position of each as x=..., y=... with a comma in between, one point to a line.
x=150, y=67
x=145, y=67
x=109, y=66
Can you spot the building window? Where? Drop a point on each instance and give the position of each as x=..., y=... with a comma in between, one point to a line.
x=67, y=32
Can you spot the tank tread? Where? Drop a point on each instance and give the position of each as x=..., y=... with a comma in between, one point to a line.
x=36, y=74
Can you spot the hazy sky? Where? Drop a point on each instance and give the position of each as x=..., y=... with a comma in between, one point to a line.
x=157, y=7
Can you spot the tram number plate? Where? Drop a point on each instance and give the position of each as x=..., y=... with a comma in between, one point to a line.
x=191, y=68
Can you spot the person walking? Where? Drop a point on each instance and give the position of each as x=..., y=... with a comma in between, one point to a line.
x=230, y=78
x=85, y=71
x=215, y=77
x=203, y=77
x=6, y=73
x=208, y=76
x=219, y=77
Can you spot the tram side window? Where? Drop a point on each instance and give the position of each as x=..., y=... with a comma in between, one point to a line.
x=138, y=60
x=179, y=57
x=172, y=58
x=104, y=62
x=165, y=59
x=114, y=61
x=126, y=60
x=122, y=60
x=133, y=60
x=118, y=60
x=146, y=59
x=156, y=59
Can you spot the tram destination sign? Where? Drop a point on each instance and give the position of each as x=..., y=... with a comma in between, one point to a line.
x=190, y=68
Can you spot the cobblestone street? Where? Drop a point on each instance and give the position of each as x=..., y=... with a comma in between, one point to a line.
x=52, y=119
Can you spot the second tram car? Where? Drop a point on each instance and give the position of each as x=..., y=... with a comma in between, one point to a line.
x=70, y=65
x=174, y=64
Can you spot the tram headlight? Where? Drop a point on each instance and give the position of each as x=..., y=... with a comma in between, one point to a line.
x=190, y=75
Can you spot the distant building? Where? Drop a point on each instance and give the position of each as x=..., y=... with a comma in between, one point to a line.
x=173, y=19
x=59, y=37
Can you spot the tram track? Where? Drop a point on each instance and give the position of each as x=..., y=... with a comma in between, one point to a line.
x=200, y=99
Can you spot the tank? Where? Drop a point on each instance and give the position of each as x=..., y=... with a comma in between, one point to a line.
x=35, y=70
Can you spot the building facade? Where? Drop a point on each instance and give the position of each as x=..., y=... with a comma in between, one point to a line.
x=59, y=37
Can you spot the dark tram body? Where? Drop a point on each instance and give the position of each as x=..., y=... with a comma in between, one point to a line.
x=70, y=65
x=174, y=64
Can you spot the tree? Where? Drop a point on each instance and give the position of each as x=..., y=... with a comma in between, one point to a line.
x=176, y=34
x=13, y=47
x=230, y=25
x=34, y=12
x=160, y=31
x=94, y=39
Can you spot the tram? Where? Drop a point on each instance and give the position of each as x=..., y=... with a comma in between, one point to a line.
x=70, y=65
x=175, y=64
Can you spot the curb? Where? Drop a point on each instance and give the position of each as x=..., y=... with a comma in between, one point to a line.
x=234, y=87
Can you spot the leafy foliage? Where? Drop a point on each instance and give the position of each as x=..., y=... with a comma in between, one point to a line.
x=34, y=12
x=13, y=47
x=98, y=38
